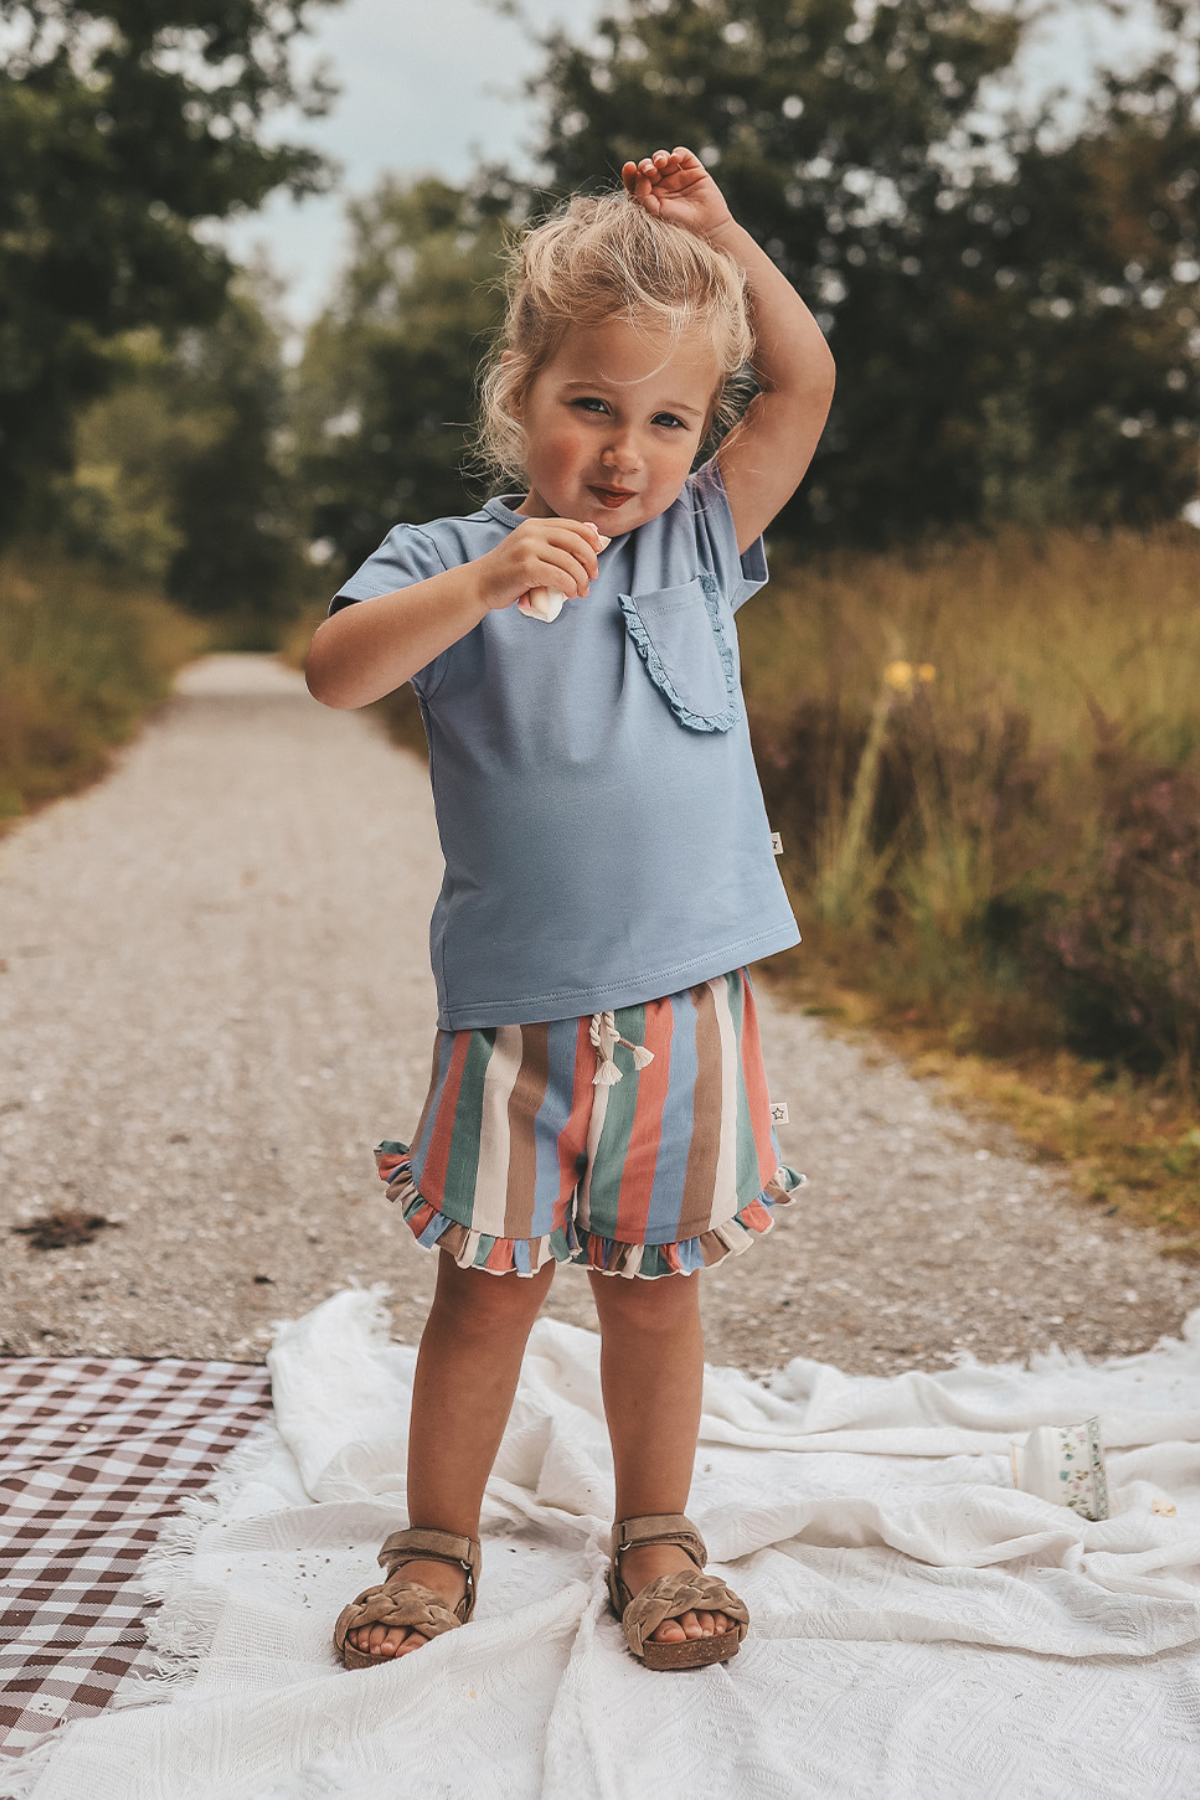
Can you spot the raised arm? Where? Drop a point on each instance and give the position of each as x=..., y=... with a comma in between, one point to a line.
x=763, y=462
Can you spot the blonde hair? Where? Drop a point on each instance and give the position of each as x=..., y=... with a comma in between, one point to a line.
x=600, y=257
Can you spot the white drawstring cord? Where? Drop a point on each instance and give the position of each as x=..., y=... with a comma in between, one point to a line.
x=605, y=1037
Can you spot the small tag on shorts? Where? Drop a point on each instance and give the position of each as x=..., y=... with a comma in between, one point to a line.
x=777, y=842
x=779, y=1112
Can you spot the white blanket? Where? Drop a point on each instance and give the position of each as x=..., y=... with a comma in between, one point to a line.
x=919, y=1629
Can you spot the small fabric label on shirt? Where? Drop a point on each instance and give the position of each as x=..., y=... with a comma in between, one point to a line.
x=777, y=842
x=779, y=1112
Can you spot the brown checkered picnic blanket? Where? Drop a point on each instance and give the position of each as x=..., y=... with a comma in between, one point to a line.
x=94, y=1455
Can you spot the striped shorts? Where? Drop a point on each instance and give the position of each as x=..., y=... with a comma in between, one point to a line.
x=636, y=1142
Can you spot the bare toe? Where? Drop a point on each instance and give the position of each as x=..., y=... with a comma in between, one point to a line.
x=669, y=1632
x=705, y=1621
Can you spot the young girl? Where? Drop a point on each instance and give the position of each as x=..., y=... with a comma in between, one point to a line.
x=598, y=1094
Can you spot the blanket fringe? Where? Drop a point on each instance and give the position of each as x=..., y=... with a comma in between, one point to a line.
x=180, y=1633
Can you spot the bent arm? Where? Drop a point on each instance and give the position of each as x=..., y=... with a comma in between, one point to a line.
x=372, y=647
x=763, y=460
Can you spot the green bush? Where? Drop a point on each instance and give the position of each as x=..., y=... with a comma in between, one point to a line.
x=81, y=659
x=1006, y=836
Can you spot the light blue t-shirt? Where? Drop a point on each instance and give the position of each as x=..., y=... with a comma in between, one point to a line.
x=598, y=806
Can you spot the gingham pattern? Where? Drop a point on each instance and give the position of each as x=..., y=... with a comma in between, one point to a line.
x=93, y=1456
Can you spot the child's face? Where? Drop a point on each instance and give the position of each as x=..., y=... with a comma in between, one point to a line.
x=613, y=422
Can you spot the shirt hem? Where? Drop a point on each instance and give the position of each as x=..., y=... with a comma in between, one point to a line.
x=574, y=1003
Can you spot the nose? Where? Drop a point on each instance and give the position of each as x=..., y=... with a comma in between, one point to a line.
x=621, y=457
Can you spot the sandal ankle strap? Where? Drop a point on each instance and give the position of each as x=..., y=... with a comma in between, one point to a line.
x=658, y=1528
x=425, y=1544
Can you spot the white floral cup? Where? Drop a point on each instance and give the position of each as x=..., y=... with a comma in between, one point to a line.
x=1064, y=1463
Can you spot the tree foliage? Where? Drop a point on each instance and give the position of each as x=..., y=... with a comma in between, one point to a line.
x=1012, y=308
x=1012, y=304
x=386, y=390
x=123, y=125
x=181, y=472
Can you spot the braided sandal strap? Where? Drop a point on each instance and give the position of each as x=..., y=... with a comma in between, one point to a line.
x=672, y=1595
x=406, y=1605
x=668, y=1596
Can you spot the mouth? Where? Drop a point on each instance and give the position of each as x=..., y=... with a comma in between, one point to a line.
x=612, y=497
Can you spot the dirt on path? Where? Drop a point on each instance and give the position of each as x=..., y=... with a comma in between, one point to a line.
x=216, y=997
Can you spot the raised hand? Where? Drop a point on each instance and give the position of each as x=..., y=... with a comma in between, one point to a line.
x=674, y=185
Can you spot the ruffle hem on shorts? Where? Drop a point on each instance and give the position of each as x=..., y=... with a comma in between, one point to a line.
x=499, y=1256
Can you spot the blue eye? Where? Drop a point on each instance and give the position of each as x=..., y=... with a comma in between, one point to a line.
x=586, y=403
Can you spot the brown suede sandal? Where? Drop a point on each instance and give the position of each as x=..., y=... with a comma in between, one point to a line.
x=407, y=1605
x=669, y=1596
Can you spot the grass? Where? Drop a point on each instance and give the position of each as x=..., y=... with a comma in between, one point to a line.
x=985, y=761
x=1128, y=1145
x=82, y=658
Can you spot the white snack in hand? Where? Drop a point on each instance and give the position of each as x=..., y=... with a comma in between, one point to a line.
x=542, y=603
x=546, y=603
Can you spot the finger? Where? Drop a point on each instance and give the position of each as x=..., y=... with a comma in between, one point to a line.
x=562, y=574
x=581, y=546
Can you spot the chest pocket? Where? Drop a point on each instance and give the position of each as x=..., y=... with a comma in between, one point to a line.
x=683, y=640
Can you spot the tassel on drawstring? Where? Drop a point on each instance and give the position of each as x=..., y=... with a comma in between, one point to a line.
x=605, y=1037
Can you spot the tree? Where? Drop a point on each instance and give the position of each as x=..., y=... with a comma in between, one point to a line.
x=1013, y=310
x=181, y=471
x=123, y=124
x=386, y=389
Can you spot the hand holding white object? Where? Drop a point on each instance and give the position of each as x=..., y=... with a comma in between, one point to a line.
x=546, y=603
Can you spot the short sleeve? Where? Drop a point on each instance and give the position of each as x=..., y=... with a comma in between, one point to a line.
x=407, y=555
x=740, y=575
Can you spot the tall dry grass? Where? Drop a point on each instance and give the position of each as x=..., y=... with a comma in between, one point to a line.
x=985, y=759
x=82, y=656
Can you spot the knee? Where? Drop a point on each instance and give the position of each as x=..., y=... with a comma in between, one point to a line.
x=474, y=1303
x=656, y=1308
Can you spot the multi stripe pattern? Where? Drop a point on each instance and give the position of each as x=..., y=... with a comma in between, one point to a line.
x=520, y=1157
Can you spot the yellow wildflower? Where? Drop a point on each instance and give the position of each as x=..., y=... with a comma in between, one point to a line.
x=899, y=675
x=925, y=671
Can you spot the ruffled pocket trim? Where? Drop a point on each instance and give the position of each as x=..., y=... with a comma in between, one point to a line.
x=648, y=1262
x=647, y=650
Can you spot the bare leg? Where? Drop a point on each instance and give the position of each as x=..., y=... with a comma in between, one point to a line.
x=468, y=1367
x=652, y=1373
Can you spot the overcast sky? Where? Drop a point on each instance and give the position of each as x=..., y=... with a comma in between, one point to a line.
x=432, y=85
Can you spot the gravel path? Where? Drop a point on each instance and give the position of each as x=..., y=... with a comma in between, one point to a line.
x=216, y=996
